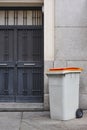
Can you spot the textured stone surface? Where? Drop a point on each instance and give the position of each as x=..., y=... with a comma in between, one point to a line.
x=10, y=121
x=46, y=101
x=47, y=65
x=71, y=39
x=70, y=44
x=39, y=121
x=42, y=121
x=83, y=84
x=60, y=63
x=71, y=13
x=83, y=101
x=83, y=81
x=21, y=106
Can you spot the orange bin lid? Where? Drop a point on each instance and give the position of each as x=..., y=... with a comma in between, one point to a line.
x=66, y=69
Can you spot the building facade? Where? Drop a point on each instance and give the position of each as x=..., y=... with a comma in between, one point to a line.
x=71, y=39
x=36, y=35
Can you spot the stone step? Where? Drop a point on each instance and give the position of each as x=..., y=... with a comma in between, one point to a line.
x=21, y=107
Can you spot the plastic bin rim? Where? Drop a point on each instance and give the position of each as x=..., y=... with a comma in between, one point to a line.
x=66, y=69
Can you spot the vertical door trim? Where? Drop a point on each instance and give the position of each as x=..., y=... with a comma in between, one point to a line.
x=15, y=60
x=49, y=30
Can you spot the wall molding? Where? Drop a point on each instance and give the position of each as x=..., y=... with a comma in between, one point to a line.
x=21, y=1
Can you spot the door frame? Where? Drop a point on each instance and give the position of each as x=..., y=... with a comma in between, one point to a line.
x=48, y=32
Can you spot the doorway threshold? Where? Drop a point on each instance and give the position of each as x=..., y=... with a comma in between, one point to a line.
x=21, y=107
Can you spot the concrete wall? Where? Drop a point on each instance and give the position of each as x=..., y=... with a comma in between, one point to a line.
x=71, y=39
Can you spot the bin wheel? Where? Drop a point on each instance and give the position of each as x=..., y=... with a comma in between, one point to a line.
x=79, y=113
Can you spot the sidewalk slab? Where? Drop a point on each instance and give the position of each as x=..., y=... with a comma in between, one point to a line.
x=39, y=121
x=42, y=121
x=10, y=120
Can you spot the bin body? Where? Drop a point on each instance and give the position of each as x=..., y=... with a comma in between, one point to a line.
x=63, y=94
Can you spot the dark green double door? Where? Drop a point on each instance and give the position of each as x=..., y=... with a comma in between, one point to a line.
x=21, y=64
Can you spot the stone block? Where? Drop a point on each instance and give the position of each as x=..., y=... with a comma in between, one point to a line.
x=47, y=65
x=70, y=13
x=70, y=44
x=20, y=106
x=60, y=63
x=46, y=101
x=10, y=120
x=83, y=101
x=83, y=83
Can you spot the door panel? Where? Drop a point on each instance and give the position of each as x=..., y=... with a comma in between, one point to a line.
x=21, y=64
x=37, y=46
x=21, y=54
x=29, y=84
x=25, y=45
x=6, y=81
x=29, y=65
x=6, y=65
x=6, y=45
x=24, y=84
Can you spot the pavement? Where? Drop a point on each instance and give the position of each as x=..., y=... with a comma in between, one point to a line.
x=39, y=121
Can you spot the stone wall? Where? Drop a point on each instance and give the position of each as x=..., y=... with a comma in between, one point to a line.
x=71, y=39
